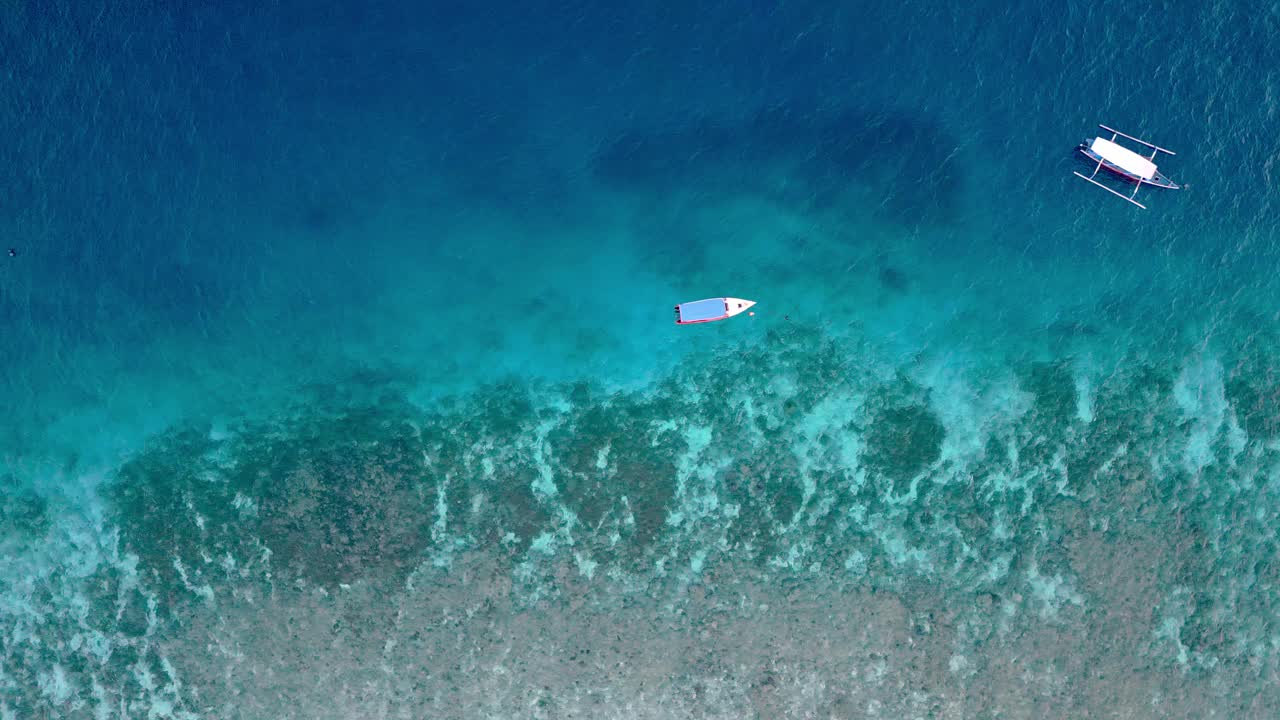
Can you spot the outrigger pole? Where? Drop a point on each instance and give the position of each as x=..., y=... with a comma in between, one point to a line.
x=1113, y=192
x=1154, y=149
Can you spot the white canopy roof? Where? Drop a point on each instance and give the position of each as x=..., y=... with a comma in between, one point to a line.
x=1125, y=158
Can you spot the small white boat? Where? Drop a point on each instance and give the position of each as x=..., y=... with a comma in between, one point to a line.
x=710, y=310
x=1125, y=163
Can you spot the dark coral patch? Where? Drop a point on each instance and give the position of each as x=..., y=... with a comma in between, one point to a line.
x=22, y=510
x=168, y=508
x=1255, y=395
x=1054, y=389
x=477, y=447
x=820, y=153
x=345, y=499
x=902, y=441
x=605, y=454
x=334, y=496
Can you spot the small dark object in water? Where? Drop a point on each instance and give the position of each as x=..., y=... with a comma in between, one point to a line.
x=893, y=279
x=1070, y=328
x=13, y=252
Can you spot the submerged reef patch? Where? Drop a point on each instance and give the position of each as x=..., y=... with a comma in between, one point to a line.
x=811, y=155
x=903, y=436
x=789, y=463
x=23, y=512
x=328, y=497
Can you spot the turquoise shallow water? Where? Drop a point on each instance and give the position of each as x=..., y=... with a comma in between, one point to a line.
x=340, y=378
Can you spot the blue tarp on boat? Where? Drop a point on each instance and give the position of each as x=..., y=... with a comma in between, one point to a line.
x=702, y=310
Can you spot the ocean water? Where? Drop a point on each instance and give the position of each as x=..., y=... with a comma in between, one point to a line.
x=340, y=378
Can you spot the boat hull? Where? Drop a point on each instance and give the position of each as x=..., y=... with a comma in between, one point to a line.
x=1159, y=180
x=711, y=310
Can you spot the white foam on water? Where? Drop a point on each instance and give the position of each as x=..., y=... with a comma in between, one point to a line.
x=974, y=404
x=856, y=563
x=827, y=419
x=54, y=684
x=1201, y=397
x=1170, y=629
x=695, y=494
x=1084, y=392
x=65, y=566
x=1052, y=591
x=586, y=566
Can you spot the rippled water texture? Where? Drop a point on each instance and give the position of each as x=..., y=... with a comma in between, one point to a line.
x=340, y=379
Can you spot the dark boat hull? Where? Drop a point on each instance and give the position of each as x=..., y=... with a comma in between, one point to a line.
x=1159, y=180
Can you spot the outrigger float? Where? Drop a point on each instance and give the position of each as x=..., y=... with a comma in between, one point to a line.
x=1125, y=163
x=710, y=310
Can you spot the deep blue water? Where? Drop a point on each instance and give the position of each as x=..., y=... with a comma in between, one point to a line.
x=340, y=378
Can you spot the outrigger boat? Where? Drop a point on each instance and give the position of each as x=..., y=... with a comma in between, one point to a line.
x=710, y=310
x=1122, y=161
